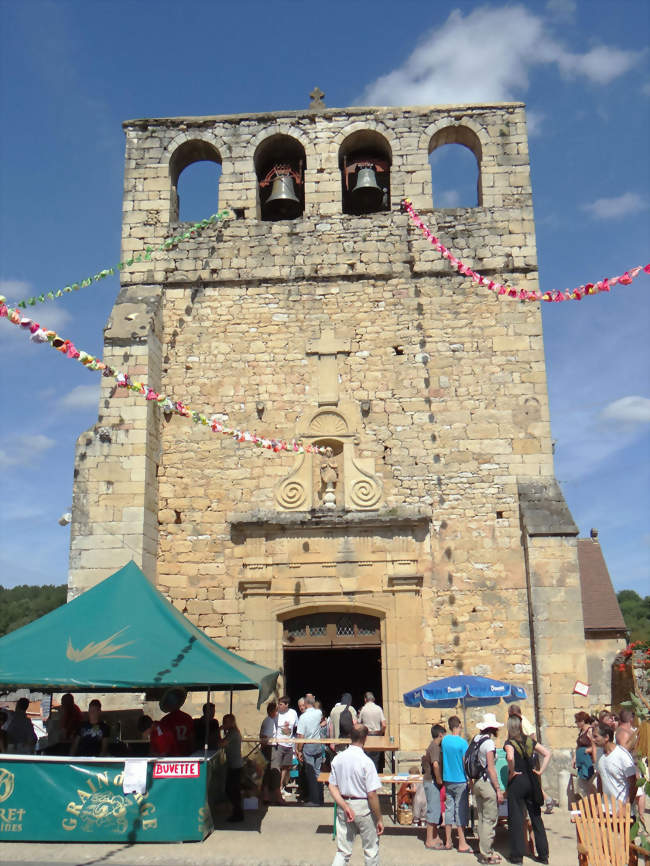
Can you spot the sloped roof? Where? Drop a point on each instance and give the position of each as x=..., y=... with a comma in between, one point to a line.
x=123, y=635
x=600, y=608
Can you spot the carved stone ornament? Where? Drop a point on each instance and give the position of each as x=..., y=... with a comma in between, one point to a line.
x=344, y=481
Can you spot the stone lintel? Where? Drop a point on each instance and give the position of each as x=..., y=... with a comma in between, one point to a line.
x=307, y=521
x=412, y=581
x=254, y=587
x=544, y=510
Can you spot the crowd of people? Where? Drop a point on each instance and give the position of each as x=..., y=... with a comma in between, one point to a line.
x=286, y=727
x=452, y=767
x=69, y=732
x=606, y=757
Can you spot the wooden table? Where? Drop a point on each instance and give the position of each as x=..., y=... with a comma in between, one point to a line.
x=392, y=779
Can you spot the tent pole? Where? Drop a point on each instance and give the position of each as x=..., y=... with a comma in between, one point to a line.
x=231, y=702
x=206, y=725
x=464, y=717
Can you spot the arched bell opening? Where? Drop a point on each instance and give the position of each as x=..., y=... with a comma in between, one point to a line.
x=194, y=171
x=365, y=159
x=455, y=160
x=280, y=164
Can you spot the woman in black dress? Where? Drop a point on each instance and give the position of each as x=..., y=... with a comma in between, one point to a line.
x=524, y=791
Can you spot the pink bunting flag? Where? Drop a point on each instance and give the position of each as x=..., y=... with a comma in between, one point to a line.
x=522, y=294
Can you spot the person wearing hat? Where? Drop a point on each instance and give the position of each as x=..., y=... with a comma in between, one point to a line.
x=528, y=729
x=173, y=735
x=487, y=792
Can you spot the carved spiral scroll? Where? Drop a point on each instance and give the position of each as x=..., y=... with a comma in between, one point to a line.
x=365, y=493
x=291, y=495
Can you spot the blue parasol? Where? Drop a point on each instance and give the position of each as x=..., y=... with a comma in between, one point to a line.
x=469, y=690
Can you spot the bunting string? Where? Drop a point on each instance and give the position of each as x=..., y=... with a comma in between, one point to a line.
x=39, y=334
x=512, y=291
x=192, y=232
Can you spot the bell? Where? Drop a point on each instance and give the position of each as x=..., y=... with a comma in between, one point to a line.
x=283, y=203
x=367, y=195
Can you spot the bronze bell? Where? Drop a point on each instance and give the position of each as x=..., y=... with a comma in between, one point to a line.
x=283, y=203
x=367, y=195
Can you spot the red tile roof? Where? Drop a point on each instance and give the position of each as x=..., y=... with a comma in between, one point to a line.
x=599, y=605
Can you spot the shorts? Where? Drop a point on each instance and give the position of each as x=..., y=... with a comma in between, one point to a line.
x=434, y=811
x=456, y=804
x=585, y=787
x=285, y=757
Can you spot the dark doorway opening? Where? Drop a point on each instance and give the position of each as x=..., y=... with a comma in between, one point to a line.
x=328, y=673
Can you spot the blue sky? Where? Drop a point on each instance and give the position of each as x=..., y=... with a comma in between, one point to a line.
x=72, y=71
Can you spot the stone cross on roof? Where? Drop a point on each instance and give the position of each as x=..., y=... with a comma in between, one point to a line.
x=316, y=99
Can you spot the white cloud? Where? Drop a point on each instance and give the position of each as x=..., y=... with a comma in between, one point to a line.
x=81, y=397
x=616, y=207
x=488, y=55
x=600, y=65
x=534, y=122
x=628, y=410
x=448, y=198
x=562, y=8
x=53, y=317
x=15, y=290
x=21, y=450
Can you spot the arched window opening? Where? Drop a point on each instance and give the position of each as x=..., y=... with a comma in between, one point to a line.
x=455, y=159
x=365, y=160
x=332, y=628
x=198, y=191
x=280, y=164
x=195, y=170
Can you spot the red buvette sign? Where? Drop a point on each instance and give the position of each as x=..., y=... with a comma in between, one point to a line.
x=176, y=770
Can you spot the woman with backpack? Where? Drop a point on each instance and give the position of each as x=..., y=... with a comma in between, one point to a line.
x=525, y=791
x=480, y=768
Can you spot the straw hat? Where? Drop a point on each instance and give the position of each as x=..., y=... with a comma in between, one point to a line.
x=489, y=721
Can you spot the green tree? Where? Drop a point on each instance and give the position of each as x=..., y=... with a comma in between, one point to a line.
x=23, y=604
x=636, y=613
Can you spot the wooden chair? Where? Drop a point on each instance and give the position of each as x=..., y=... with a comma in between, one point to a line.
x=603, y=828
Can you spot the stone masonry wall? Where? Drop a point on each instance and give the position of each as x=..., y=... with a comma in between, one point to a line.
x=441, y=391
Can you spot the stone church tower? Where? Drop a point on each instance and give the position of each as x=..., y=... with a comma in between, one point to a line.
x=433, y=538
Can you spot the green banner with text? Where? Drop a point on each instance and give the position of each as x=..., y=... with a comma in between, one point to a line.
x=44, y=801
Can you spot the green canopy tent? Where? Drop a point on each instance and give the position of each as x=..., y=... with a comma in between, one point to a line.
x=123, y=635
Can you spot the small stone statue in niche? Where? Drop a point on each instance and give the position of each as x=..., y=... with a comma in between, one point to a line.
x=329, y=474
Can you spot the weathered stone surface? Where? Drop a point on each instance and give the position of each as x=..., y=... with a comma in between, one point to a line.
x=444, y=520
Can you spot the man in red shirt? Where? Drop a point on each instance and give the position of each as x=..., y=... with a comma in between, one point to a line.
x=173, y=735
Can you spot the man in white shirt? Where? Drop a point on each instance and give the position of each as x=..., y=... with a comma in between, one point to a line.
x=334, y=725
x=311, y=754
x=616, y=767
x=271, y=780
x=372, y=716
x=353, y=785
x=287, y=721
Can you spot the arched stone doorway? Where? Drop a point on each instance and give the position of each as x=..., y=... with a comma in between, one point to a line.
x=331, y=652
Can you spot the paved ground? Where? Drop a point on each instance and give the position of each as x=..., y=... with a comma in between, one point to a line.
x=282, y=836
